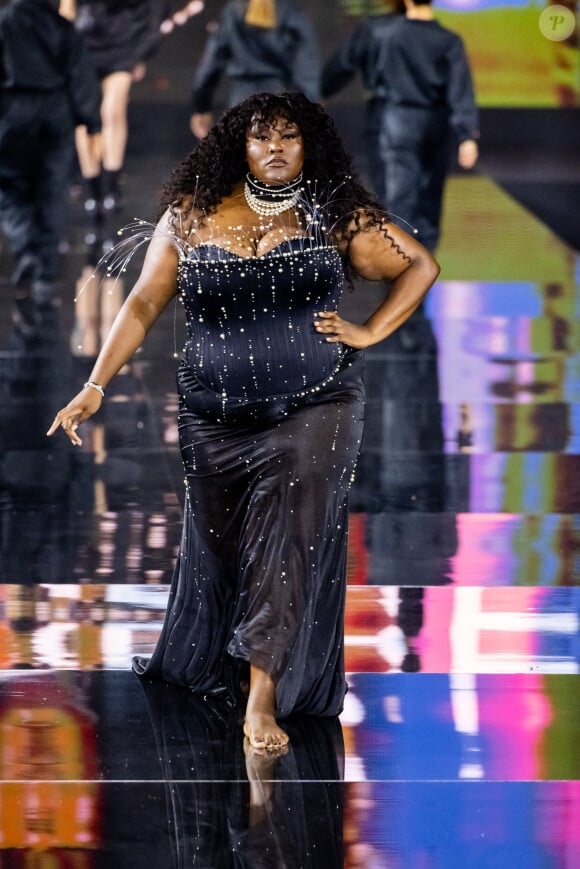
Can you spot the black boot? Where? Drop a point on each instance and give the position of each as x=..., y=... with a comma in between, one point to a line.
x=112, y=197
x=45, y=294
x=94, y=198
x=22, y=276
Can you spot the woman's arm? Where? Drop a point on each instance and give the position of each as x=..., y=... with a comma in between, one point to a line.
x=153, y=290
x=382, y=253
x=68, y=9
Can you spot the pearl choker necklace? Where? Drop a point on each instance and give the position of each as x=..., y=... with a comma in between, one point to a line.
x=270, y=200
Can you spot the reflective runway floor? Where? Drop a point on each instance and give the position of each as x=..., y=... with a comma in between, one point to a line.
x=459, y=745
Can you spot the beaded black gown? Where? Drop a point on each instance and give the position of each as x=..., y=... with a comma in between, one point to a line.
x=270, y=423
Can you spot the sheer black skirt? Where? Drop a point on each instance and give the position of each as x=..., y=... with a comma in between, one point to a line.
x=261, y=575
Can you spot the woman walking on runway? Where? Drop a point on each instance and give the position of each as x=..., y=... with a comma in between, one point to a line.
x=261, y=225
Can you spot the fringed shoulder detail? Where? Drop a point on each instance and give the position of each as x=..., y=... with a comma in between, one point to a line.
x=133, y=238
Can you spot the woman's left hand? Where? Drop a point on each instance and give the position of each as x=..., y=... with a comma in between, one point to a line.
x=139, y=72
x=336, y=329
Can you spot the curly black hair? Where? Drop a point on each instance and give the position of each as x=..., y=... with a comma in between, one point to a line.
x=218, y=162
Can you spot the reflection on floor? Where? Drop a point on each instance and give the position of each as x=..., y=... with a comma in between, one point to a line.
x=72, y=726
x=501, y=752
x=459, y=742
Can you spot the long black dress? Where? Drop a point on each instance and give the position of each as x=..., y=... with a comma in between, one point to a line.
x=270, y=424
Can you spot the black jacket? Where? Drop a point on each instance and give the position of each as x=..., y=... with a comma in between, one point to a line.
x=40, y=52
x=289, y=52
x=409, y=63
x=358, y=53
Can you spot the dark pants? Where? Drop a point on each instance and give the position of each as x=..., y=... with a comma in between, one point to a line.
x=36, y=149
x=414, y=149
x=375, y=163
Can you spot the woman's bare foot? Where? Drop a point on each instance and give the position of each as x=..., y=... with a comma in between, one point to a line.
x=260, y=725
x=263, y=732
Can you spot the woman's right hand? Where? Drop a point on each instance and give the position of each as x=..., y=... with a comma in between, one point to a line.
x=80, y=408
x=200, y=124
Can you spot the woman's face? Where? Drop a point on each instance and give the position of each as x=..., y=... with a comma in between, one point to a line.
x=274, y=151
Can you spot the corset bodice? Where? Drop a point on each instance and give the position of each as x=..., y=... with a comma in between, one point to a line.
x=250, y=320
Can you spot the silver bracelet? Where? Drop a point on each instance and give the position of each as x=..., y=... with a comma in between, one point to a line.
x=94, y=385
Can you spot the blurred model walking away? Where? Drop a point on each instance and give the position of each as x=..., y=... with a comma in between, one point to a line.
x=423, y=106
x=262, y=46
x=47, y=87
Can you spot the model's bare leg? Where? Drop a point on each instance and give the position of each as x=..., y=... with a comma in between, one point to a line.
x=114, y=105
x=109, y=148
x=116, y=89
x=85, y=334
x=260, y=724
x=89, y=150
x=112, y=297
